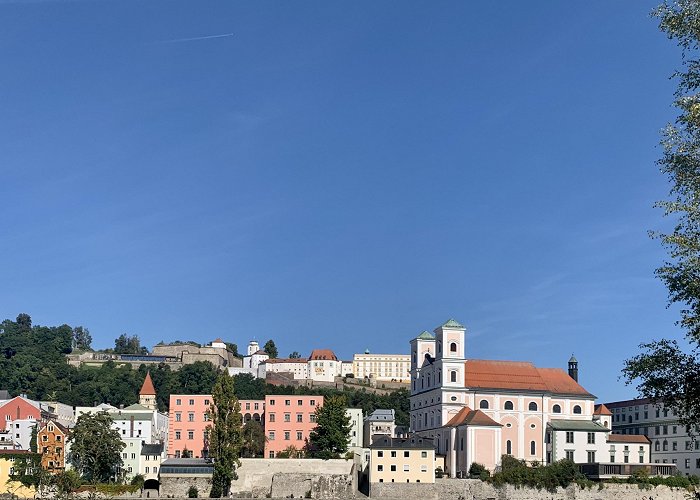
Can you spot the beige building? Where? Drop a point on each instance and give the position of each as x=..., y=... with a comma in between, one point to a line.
x=402, y=460
x=386, y=367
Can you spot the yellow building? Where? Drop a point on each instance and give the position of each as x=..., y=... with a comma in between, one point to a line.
x=402, y=460
x=7, y=468
x=386, y=367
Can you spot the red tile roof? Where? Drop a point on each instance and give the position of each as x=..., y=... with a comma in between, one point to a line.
x=285, y=360
x=319, y=354
x=467, y=416
x=147, y=388
x=519, y=375
x=601, y=409
x=627, y=438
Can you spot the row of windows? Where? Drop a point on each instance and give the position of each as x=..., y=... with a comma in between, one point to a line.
x=288, y=417
x=406, y=454
x=287, y=436
x=190, y=435
x=190, y=417
x=288, y=402
x=178, y=402
x=406, y=468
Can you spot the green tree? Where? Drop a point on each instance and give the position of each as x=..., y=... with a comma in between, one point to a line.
x=67, y=482
x=329, y=439
x=665, y=371
x=82, y=338
x=24, y=321
x=96, y=448
x=270, y=348
x=125, y=344
x=225, y=437
x=233, y=349
x=295, y=355
x=253, y=441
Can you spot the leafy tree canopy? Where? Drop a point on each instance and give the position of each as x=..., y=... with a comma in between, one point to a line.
x=665, y=370
x=329, y=439
x=96, y=448
x=270, y=348
x=125, y=344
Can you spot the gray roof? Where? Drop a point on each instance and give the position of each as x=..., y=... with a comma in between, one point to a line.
x=4, y=394
x=451, y=323
x=190, y=462
x=386, y=442
x=380, y=415
x=425, y=335
x=576, y=425
x=152, y=449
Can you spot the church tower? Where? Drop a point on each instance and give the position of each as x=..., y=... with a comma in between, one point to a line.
x=450, y=359
x=147, y=394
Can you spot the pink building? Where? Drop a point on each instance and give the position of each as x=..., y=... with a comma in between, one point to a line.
x=18, y=408
x=289, y=421
x=188, y=421
x=253, y=409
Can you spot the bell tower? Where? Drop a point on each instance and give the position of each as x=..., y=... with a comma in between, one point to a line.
x=147, y=394
x=450, y=340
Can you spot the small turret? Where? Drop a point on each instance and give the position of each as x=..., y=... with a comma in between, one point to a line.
x=573, y=368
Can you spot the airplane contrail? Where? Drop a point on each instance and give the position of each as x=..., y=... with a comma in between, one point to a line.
x=208, y=37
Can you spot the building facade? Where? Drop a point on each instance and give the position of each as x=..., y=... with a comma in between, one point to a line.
x=356, y=435
x=402, y=460
x=289, y=420
x=188, y=421
x=382, y=367
x=298, y=368
x=478, y=410
x=379, y=422
x=7, y=469
x=671, y=442
x=52, y=440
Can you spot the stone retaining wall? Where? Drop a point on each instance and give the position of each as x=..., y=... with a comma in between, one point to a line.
x=474, y=489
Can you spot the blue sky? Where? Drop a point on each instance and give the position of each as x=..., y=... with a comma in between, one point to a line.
x=339, y=175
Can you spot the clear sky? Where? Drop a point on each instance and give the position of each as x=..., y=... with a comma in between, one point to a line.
x=339, y=175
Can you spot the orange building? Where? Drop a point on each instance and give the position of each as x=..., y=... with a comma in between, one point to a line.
x=51, y=443
x=253, y=409
x=289, y=421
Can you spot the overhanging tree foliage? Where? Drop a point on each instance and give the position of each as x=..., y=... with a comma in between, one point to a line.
x=271, y=349
x=96, y=448
x=225, y=436
x=329, y=439
x=667, y=371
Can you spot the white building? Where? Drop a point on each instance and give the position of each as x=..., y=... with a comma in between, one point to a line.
x=152, y=455
x=297, y=367
x=671, y=442
x=324, y=365
x=17, y=434
x=379, y=422
x=384, y=367
x=355, y=415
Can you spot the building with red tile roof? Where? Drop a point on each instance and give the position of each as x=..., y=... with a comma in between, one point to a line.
x=477, y=410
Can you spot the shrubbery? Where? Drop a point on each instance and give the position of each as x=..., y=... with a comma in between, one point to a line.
x=549, y=477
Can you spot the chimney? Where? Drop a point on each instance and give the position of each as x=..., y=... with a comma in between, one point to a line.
x=573, y=368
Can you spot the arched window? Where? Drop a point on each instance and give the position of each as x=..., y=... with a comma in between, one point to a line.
x=665, y=445
x=577, y=410
x=508, y=406
x=453, y=347
x=483, y=404
x=453, y=376
x=533, y=448
x=556, y=409
x=657, y=446
x=509, y=447
x=532, y=406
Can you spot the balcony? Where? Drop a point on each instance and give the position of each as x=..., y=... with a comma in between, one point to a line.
x=609, y=470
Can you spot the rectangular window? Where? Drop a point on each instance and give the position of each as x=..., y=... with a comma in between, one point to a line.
x=380, y=454
x=380, y=468
x=569, y=437
x=393, y=454
x=191, y=402
x=287, y=402
x=300, y=402
x=287, y=417
x=300, y=417
x=272, y=402
x=312, y=418
x=271, y=417
x=178, y=402
x=286, y=435
x=206, y=402
x=133, y=456
x=271, y=435
x=393, y=468
x=148, y=470
x=299, y=436
x=591, y=438
x=190, y=434
x=313, y=402
x=406, y=468
x=190, y=417
x=591, y=457
x=406, y=454
x=177, y=434
x=612, y=459
x=424, y=454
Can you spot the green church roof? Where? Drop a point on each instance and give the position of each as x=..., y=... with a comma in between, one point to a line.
x=451, y=323
x=424, y=335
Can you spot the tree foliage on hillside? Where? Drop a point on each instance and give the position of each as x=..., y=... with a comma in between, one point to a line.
x=665, y=371
x=129, y=344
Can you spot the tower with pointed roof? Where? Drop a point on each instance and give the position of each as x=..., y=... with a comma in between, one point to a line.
x=147, y=394
x=573, y=368
x=422, y=350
